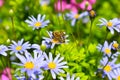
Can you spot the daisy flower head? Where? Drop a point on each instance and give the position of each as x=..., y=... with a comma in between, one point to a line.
x=75, y=16
x=3, y=50
x=56, y=37
x=30, y=65
x=109, y=67
x=19, y=47
x=37, y=23
x=116, y=74
x=70, y=78
x=55, y=65
x=106, y=48
x=115, y=45
x=111, y=24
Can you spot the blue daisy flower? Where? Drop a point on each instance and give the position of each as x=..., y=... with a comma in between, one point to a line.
x=37, y=23
x=115, y=45
x=19, y=47
x=30, y=64
x=109, y=67
x=75, y=16
x=55, y=66
x=111, y=24
x=3, y=50
x=106, y=48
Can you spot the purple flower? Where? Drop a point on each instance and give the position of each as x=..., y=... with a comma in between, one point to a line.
x=108, y=67
x=111, y=24
x=19, y=47
x=55, y=65
x=37, y=23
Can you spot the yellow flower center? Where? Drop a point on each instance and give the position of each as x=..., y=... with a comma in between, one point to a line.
x=37, y=24
x=76, y=16
x=52, y=65
x=108, y=68
x=54, y=41
x=118, y=78
x=18, y=48
x=107, y=51
x=109, y=24
x=29, y=65
x=92, y=13
x=115, y=45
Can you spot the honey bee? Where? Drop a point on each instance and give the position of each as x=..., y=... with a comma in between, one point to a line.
x=59, y=35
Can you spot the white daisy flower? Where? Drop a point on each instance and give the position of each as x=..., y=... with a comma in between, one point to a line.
x=111, y=24
x=19, y=47
x=30, y=65
x=75, y=16
x=37, y=23
x=55, y=65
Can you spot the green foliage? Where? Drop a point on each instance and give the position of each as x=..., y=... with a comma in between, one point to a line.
x=82, y=61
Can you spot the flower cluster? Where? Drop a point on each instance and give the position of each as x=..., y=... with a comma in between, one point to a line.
x=62, y=5
x=109, y=58
x=34, y=66
x=34, y=61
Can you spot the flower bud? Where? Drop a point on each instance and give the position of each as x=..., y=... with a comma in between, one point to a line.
x=43, y=47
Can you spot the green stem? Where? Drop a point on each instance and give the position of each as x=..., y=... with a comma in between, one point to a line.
x=39, y=38
x=13, y=29
x=90, y=34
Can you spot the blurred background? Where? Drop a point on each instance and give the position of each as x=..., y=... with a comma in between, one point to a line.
x=13, y=14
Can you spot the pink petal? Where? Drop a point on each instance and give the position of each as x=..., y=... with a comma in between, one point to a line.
x=74, y=9
x=73, y=1
x=83, y=4
x=92, y=1
x=60, y=6
x=3, y=77
x=1, y=2
x=8, y=72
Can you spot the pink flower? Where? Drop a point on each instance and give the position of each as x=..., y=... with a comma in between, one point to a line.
x=6, y=74
x=61, y=5
x=73, y=5
x=88, y=3
x=1, y=3
x=92, y=1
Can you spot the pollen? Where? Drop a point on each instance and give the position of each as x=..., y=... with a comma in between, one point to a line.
x=29, y=65
x=18, y=48
x=54, y=41
x=52, y=65
x=76, y=16
x=118, y=78
x=108, y=68
x=107, y=51
x=37, y=24
x=116, y=45
x=109, y=24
